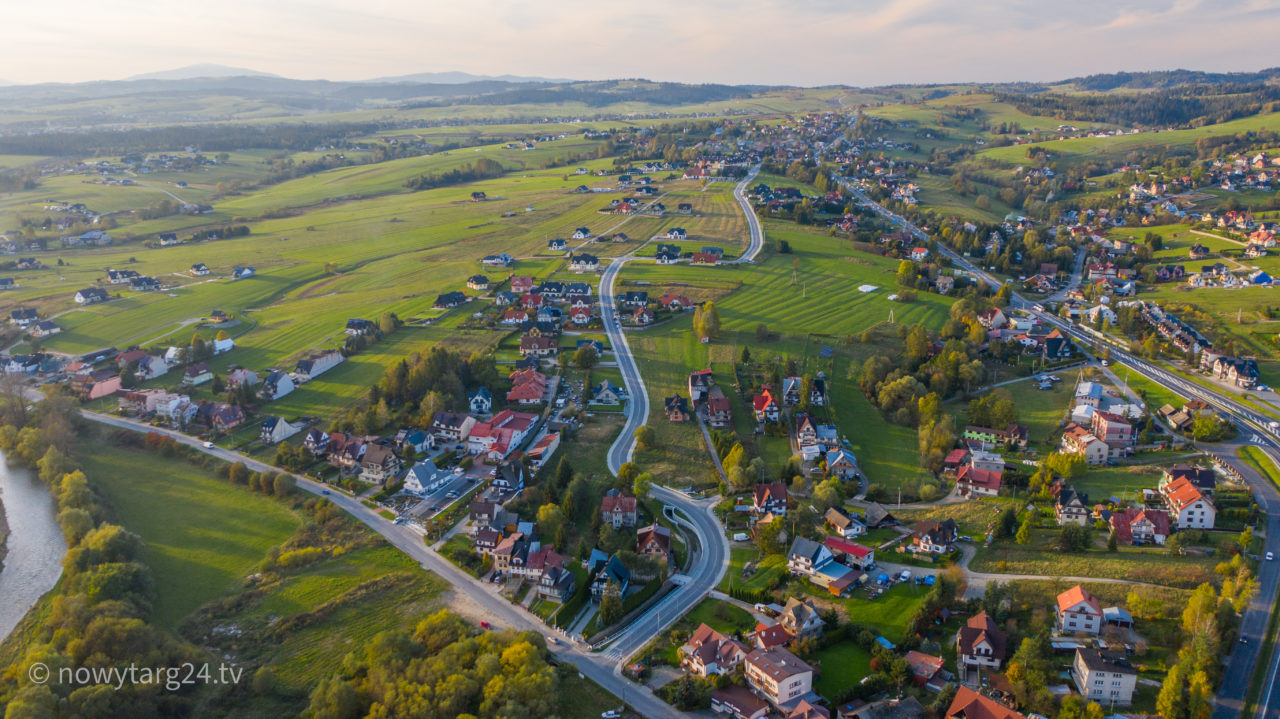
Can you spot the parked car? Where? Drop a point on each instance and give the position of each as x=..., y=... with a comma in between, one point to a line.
x=208, y=445
x=486, y=625
x=1270, y=556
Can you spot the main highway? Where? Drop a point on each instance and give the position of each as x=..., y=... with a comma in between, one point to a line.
x=1253, y=428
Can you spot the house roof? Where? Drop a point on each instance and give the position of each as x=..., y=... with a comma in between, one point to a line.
x=1098, y=660
x=837, y=544
x=1077, y=595
x=980, y=628
x=772, y=492
x=1181, y=493
x=778, y=664
x=969, y=704
x=618, y=503
x=771, y=635
x=983, y=478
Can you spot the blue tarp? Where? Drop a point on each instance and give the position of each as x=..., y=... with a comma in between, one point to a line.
x=884, y=643
x=883, y=578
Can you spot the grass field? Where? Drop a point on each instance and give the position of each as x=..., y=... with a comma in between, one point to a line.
x=202, y=536
x=1042, y=411
x=839, y=666
x=1040, y=557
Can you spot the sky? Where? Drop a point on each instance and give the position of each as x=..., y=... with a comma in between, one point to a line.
x=777, y=42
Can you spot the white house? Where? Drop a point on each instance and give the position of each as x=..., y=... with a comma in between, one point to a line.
x=425, y=478
x=1188, y=506
x=278, y=429
x=276, y=385
x=1078, y=611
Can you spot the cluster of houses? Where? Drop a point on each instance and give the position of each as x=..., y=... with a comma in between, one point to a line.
x=1036, y=338
x=1101, y=428
x=1183, y=499
x=636, y=307
x=706, y=397
x=541, y=306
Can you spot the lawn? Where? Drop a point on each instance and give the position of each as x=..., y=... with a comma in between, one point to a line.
x=889, y=614
x=202, y=535
x=766, y=572
x=839, y=667
x=1147, y=564
x=1042, y=411
x=1127, y=483
x=719, y=615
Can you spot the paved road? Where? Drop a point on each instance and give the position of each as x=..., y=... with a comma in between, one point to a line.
x=598, y=667
x=637, y=407
x=753, y=224
x=1230, y=698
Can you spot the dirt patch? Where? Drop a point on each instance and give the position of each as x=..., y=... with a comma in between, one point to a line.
x=315, y=289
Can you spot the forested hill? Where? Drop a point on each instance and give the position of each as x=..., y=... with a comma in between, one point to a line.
x=1168, y=79
x=1183, y=106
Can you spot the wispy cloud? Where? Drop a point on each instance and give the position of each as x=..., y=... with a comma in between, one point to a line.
x=811, y=42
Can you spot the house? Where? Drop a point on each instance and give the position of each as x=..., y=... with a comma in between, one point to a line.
x=841, y=463
x=980, y=643
x=1078, y=440
x=542, y=450
x=877, y=516
x=45, y=328
x=926, y=669
x=779, y=676
x=608, y=393
x=766, y=407
x=617, y=510
x=197, y=374
x=317, y=442
x=499, y=436
x=800, y=619
x=1242, y=372
x=199, y=269
x=934, y=537
x=791, y=387
x=719, y=411
x=906, y=708
x=478, y=196
x=582, y=262
x=345, y=451
x=851, y=554
x=1189, y=507
x=582, y=233
x=221, y=416
x=806, y=557
x=357, y=327
x=738, y=702
x=675, y=303
x=478, y=282
x=700, y=382
x=451, y=428
x=642, y=316
x=1071, y=507
x=380, y=463
x=316, y=365
x=919, y=254
x=528, y=387
x=121, y=277
x=1013, y=435
x=611, y=573
x=770, y=499
x=24, y=316
x=704, y=258
x=480, y=400
x=1104, y=677
x=276, y=385
x=510, y=476
x=558, y=244
x=538, y=346
x=449, y=300
x=1114, y=430
x=96, y=384
x=1203, y=478
x=993, y=318
x=144, y=284
x=91, y=295
x=240, y=273
x=840, y=522
x=278, y=429
x=972, y=482
x=969, y=704
x=654, y=541
x=501, y=259
x=1140, y=526
x=555, y=582
x=1078, y=611
x=677, y=408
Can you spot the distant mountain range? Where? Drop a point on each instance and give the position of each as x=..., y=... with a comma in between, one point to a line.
x=207, y=69
x=215, y=71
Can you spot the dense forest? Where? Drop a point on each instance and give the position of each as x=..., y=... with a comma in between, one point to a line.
x=1193, y=105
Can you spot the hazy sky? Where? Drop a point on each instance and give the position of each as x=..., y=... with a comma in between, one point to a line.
x=798, y=42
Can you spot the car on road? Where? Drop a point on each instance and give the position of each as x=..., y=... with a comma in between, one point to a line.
x=486, y=625
x=611, y=714
x=553, y=640
x=208, y=445
x=1271, y=556
x=325, y=491
x=435, y=508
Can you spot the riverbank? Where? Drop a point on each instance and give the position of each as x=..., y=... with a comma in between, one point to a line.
x=4, y=537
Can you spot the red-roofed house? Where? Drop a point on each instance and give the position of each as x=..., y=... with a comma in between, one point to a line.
x=1140, y=526
x=765, y=406
x=1190, y=507
x=971, y=481
x=709, y=652
x=850, y=553
x=618, y=511
x=969, y=704
x=770, y=636
x=1078, y=611
x=770, y=498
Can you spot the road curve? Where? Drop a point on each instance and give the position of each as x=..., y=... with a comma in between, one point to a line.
x=598, y=667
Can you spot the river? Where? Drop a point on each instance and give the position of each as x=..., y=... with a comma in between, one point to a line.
x=35, y=547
